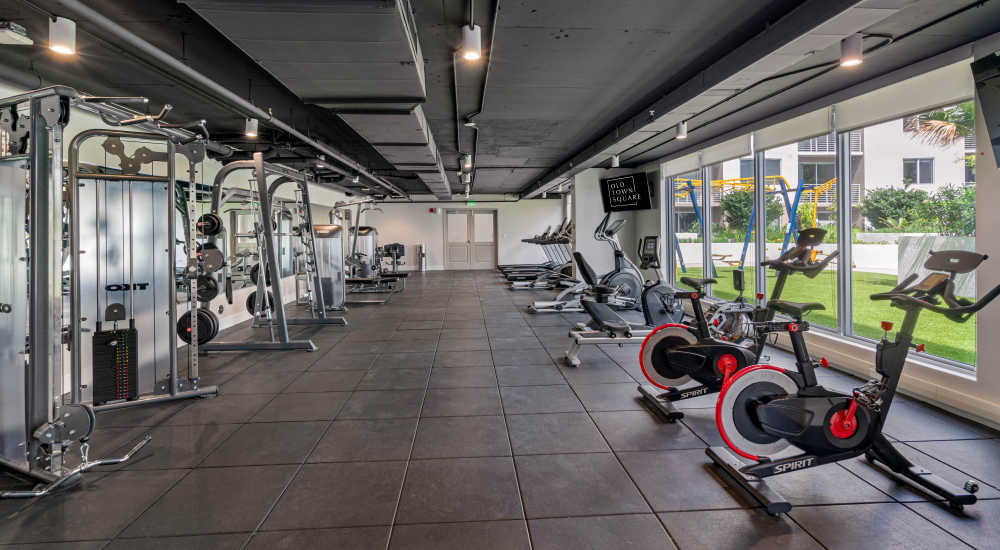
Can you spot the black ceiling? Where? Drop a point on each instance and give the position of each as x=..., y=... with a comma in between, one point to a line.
x=102, y=68
x=562, y=73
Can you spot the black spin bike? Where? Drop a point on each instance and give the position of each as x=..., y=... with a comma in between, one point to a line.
x=763, y=409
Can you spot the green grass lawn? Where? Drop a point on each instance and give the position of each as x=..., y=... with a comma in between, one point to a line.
x=943, y=337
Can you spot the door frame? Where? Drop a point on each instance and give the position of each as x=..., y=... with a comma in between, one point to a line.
x=496, y=243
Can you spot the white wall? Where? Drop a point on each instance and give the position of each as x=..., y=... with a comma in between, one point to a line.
x=589, y=210
x=886, y=145
x=413, y=223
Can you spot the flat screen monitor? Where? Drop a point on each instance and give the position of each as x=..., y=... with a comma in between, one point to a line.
x=624, y=193
x=986, y=73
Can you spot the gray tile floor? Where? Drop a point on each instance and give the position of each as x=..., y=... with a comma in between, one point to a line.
x=444, y=420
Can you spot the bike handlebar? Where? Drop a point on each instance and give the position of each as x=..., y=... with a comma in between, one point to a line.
x=799, y=259
x=955, y=308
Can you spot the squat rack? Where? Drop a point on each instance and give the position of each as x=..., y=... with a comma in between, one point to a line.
x=280, y=339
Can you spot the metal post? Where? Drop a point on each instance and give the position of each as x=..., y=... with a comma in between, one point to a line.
x=760, y=221
x=667, y=229
x=317, y=286
x=44, y=388
x=272, y=261
x=172, y=262
x=708, y=266
x=844, y=237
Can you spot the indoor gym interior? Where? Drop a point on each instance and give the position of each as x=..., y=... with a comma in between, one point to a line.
x=497, y=274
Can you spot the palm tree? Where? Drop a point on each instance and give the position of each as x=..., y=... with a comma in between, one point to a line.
x=944, y=127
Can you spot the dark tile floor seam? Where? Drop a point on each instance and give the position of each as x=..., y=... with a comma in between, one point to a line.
x=510, y=446
x=409, y=456
x=936, y=524
x=618, y=460
x=298, y=470
x=189, y=470
x=956, y=468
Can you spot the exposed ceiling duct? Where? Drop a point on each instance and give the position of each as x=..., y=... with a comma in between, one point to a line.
x=361, y=59
x=165, y=63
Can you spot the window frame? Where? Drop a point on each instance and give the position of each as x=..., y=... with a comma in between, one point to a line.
x=917, y=161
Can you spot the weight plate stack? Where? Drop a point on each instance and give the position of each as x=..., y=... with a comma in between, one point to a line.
x=208, y=326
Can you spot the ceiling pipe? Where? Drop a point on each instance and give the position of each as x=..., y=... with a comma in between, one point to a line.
x=180, y=71
x=482, y=94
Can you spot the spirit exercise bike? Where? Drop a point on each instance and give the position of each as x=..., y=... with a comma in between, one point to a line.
x=764, y=409
x=709, y=351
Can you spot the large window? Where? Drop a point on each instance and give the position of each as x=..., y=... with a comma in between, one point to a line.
x=804, y=196
x=732, y=228
x=918, y=170
x=687, y=225
x=896, y=222
x=912, y=189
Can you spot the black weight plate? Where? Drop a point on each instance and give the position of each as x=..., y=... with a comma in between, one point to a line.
x=209, y=224
x=205, y=329
x=255, y=272
x=212, y=259
x=251, y=303
x=208, y=288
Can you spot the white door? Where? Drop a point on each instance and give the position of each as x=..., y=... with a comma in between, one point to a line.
x=470, y=239
x=458, y=246
x=484, y=246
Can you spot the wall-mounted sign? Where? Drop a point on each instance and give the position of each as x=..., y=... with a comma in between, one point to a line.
x=623, y=193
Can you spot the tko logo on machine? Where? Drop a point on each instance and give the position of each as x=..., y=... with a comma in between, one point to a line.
x=125, y=286
x=796, y=465
x=5, y=308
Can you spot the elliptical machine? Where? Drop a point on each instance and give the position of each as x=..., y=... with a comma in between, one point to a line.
x=764, y=409
x=711, y=351
x=625, y=278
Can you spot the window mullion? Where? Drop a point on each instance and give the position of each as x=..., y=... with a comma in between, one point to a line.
x=844, y=234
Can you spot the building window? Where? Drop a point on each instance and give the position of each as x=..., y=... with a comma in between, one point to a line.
x=918, y=171
x=816, y=173
x=772, y=167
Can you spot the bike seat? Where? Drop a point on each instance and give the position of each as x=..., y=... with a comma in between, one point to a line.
x=795, y=309
x=697, y=284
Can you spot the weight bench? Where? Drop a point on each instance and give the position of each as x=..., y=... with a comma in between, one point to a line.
x=607, y=328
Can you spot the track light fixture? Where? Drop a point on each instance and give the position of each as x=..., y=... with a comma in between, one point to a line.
x=466, y=162
x=682, y=130
x=62, y=35
x=616, y=161
x=472, y=42
x=356, y=179
x=251, y=127
x=852, y=51
x=560, y=188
